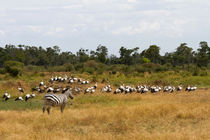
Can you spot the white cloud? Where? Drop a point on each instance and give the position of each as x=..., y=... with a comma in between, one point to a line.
x=104, y=20
x=156, y=13
x=132, y=1
x=143, y=27
x=59, y=29
x=36, y=29
x=54, y=31
x=2, y=32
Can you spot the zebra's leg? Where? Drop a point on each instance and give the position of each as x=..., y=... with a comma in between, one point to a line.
x=62, y=107
x=48, y=110
x=43, y=108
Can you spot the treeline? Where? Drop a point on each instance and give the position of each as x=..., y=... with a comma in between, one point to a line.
x=183, y=57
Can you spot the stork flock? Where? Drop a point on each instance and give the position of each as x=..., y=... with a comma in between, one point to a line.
x=7, y=96
x=153, y=89
x=62, y=84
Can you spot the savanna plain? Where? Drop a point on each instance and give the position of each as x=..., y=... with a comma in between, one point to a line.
x=160, y=116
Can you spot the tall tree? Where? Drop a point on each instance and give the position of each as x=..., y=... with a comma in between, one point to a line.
x=202, y=54
x=83, y=55
x=126, y=55
x=183, y=55
x=101, y=53
x=152, y=53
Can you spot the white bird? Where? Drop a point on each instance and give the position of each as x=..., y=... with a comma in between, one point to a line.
x=41, y=83
x=20, y=89
x=7, y=97
x=19, y=98
x=92, y=91
x=50, y=89
x=33, y=95
x=71, y=81
x=83, y=82
x=27, y=97
x=95, y=86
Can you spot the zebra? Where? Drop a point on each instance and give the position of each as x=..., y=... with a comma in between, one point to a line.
x=51, y=99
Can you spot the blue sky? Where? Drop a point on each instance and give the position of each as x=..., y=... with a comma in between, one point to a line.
x=75, y=24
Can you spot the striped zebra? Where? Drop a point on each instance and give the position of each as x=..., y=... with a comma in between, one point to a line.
x=51, y=99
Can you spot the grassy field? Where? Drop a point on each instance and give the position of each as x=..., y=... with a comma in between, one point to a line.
x=184, y=115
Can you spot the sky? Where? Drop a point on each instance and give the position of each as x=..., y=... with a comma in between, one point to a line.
x=75, y=24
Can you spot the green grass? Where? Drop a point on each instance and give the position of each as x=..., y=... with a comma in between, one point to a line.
x=32, y=79
x=83, y=101
x=21, y=105
x=104, y=100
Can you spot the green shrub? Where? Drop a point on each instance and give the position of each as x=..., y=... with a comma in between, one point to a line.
x=114, y=72
x=79, y=67
x=35, y=68
x=203, y=73
x=57, y=69
x=42, y=74
x=196, y=72
x=145, y=60
x=2, y=71
x=69, y=67
x=89, y=70
x=91, y=64
x=140, y=69
x=14, y=68
x=101, y=68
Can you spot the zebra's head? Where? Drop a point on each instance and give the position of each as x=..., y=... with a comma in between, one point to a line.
x=69, y=93
x=71, y=96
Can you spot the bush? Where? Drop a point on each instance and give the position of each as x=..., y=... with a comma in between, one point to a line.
x=114, y=72
x=14, y=68
x=203, y=73
x=35, y=68
x=196, y=72
x=57, y=69
x=101, y=68
x=145, y=60
x=79, y=67
x=69, y=67
x=89, y=70
x=140, y=69
x=91, y=64
x=2, y=71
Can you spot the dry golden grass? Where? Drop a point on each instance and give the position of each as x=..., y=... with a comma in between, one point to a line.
x=161, y=116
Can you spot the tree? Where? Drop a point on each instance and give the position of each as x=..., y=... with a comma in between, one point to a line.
x=152, y=53
x=82, y=55
x=113, y=59
x=13, y=67
x=126, y=55
x=202, y=54
x=43, y=59
x=101, y=53
x=183, y=55
x=145, y=60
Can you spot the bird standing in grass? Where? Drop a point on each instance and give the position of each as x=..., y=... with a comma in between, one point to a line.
x=41, y=83
x=20, y=90
x=19, y=98
x=33, y=95
x=27, y=97
x=6, y=96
